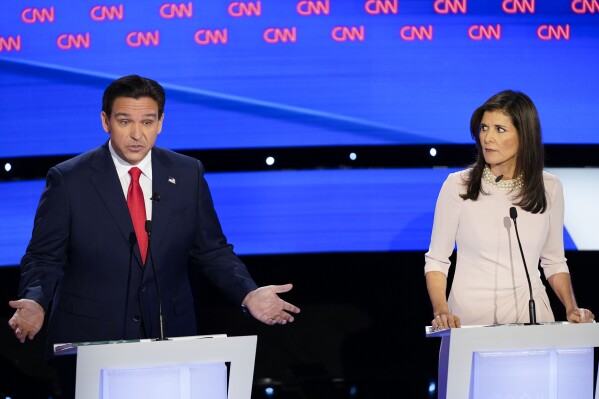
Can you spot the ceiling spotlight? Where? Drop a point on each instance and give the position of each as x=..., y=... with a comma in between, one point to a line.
x=353, y=156
x=270, y=161
x=433, y=152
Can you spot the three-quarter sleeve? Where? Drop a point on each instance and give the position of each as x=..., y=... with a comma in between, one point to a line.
x=552, y=257
x=445, y=225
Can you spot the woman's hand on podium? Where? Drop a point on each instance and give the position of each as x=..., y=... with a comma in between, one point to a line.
x=580, y=315
x=444, y=321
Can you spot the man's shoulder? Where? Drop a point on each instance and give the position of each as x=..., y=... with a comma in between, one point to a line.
x=86, y=158
x=173, y=156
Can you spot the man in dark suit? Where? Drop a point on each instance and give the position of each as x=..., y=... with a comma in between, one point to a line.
x=87, y=264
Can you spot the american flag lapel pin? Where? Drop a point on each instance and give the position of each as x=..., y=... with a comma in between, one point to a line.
x=172, y=180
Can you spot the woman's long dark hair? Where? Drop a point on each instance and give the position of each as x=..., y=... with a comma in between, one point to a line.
x=530, y=159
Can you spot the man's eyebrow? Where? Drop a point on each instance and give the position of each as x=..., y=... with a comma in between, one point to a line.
x=126, y=114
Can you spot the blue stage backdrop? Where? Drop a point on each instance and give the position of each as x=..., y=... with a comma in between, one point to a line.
x=282, y=73
x=289, y=212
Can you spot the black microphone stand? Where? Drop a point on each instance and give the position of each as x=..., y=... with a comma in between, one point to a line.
x=132, y=242
x=149, y=231
x=531, y=303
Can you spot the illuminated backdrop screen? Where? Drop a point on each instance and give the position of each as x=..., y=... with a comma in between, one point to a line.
x=280, y=73
x=314, y=211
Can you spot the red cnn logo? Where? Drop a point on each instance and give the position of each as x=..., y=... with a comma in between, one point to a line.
x=375, y=7
x=239, y=9
x=551, y=32
x=410, y=33
x=204, y=36
x=277, y=35
x=348, y=33
x=450, y=6
x=308, y=7
x=10, y=43
x=480, y=32
x=585, y=6
x=67, y=41
x=103, y=13
x=518, y=6
x=138, y=39
x=33, y=15
x=171, y=10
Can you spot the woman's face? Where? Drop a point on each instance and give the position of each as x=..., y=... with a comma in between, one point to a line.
x=500, y=142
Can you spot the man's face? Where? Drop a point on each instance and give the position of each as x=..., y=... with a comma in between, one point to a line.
x=133, y=127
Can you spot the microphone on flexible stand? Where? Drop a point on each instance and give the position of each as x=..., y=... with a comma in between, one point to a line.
x=531, y=303
x=149, y=231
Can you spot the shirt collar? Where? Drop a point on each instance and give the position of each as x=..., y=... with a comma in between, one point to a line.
x=122, y=166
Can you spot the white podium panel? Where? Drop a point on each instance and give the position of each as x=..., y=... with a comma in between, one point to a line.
x=185, y=367
x=196, y=381
x=552, y=373
x=552, y=361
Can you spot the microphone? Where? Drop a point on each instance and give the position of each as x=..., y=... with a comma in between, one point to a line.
x=497, y=179
x=149, y=231
x=155, y=197
x=531, y=302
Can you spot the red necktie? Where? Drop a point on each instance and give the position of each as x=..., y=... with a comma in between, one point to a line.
x=137, y=209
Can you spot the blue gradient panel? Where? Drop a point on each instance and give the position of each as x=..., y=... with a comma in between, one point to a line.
x=287, y=212
x=18, y=202
x=283, y=73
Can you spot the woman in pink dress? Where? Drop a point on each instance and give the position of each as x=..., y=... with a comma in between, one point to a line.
x=490, y=282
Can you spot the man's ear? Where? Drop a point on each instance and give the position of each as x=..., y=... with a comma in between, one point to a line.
x=105, y=124
x=160, y=123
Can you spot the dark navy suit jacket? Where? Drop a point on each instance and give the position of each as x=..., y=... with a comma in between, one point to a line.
x=83, y=264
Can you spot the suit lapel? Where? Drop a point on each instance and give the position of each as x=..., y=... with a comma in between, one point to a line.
x=163, y=182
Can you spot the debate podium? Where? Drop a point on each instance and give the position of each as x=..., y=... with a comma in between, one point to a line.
x=177, y=368
x=552, y=360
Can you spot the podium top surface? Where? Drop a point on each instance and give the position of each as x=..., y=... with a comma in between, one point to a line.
x=432, y=332
x=71, y=348
x=503, y=336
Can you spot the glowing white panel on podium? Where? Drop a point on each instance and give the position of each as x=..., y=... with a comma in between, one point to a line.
x=191, y=381
x=553, y=373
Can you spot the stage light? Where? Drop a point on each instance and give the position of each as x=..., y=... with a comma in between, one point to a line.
x=270, y=161
x=353, y=156
x=269, y=391
x=433, y=152
x=432, y=389
x=7, y=167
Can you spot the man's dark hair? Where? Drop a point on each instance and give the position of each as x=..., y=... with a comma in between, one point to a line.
x=133, y=86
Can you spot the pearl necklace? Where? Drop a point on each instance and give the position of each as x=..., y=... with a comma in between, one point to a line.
x=504, y=185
